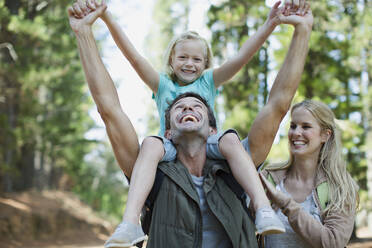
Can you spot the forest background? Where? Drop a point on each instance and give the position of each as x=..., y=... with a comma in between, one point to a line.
x=48, y=136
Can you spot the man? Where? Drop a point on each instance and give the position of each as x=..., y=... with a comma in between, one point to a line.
x=195, y=207
x=188, y=135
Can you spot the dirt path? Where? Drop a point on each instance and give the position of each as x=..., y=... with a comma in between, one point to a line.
x=58, y=246
x=73, y=246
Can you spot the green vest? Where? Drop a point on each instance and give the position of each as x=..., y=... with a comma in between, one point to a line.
x=176, y=217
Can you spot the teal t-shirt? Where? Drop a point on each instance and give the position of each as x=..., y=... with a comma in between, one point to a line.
x=168, y=90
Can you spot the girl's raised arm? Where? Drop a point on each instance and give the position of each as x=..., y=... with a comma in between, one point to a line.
x=228, y=69
x=122, y=134
x=143, y=68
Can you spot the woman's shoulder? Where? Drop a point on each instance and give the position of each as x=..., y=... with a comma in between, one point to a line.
x=276, y=173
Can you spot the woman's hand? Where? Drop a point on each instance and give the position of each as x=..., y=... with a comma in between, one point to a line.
x=278, y=198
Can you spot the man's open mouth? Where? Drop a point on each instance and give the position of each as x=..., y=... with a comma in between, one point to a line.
x=188, y=117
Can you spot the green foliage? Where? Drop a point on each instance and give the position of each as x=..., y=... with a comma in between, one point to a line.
x=101, y=183
x=44, y=107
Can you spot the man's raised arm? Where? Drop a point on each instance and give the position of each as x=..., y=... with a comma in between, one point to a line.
x=266, y=124
x=122, y=135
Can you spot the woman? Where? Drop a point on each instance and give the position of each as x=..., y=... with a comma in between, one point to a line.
x=316, y=196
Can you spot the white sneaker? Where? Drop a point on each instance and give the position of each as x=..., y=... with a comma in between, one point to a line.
x=267, y=222
x=126, y=235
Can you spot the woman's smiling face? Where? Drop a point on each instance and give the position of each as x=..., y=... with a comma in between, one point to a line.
x=305, y=135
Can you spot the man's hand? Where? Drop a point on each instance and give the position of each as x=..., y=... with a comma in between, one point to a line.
x=83, y=13
x=295, y=6
x=294, y=12
x=295, y=19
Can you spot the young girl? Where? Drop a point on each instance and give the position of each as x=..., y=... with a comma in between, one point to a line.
x=188, y=68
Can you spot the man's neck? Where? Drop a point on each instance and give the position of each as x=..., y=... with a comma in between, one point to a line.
x=192, y=153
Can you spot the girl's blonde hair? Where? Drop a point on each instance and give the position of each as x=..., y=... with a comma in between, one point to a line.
x=189, y=35
x=343, y=190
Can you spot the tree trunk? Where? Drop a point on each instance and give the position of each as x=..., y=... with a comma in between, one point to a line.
x=26, y=168
x=11, y=108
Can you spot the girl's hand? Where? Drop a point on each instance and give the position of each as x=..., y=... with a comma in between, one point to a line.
x=274, y=16
x=277, y=197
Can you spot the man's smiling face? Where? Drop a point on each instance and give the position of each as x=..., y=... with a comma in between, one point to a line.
x=189, y=115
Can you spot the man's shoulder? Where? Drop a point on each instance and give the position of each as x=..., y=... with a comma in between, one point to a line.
x=175, y=170
x=169, y=165
x=176, y=167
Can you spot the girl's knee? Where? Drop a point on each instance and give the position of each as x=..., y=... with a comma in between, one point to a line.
x=229, y=139
x=152, y=141
x=152, y=144
x=229, y=145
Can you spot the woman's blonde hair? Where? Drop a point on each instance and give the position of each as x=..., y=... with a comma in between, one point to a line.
x=343, y=190
x=189, y=35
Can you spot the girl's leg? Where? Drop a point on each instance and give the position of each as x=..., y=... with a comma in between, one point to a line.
x=129, y=232
x=245, y=173
x=143, y=176
x=243, y=169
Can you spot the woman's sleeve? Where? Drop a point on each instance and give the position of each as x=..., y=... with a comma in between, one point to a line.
x=335, y=231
